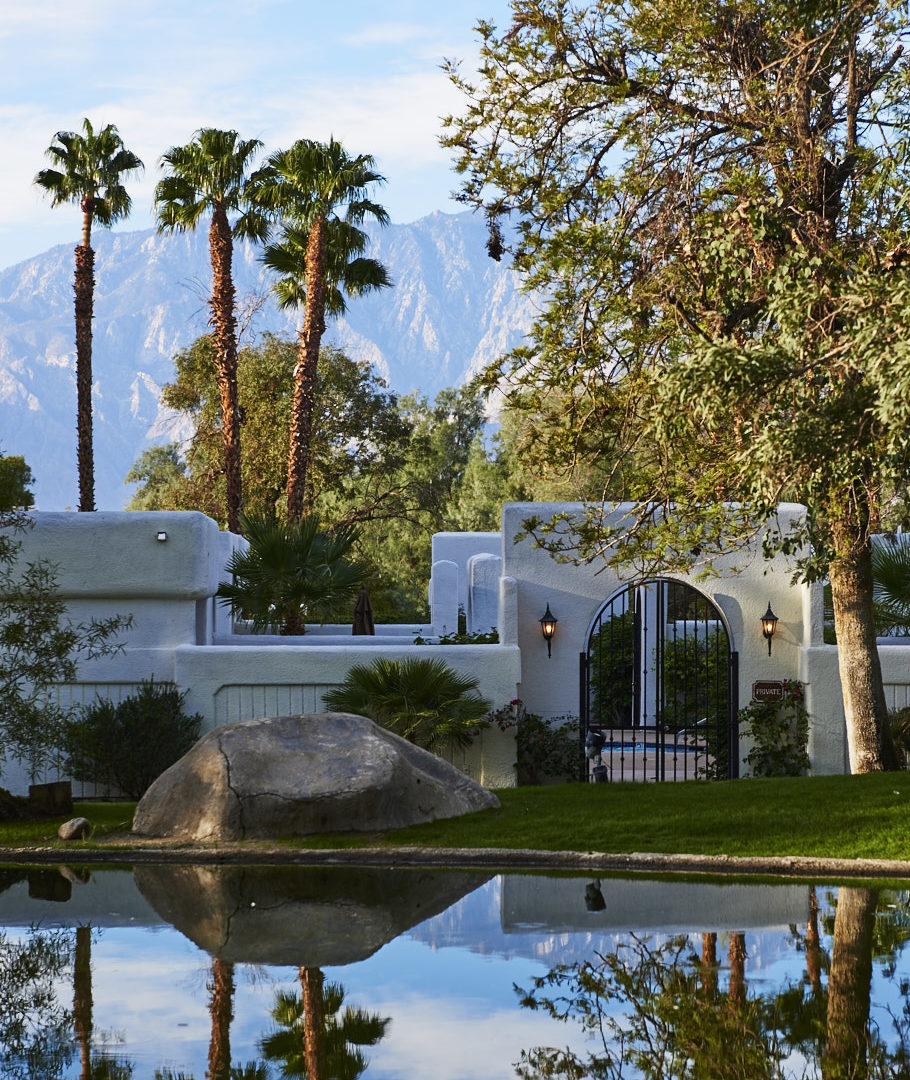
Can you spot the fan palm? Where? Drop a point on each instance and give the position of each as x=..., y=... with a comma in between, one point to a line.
x=90, y=170
x=315, y=1038
x=890, y=588
x=319, y=193
x=291, y=571
x=423, y=700
x=210, y=176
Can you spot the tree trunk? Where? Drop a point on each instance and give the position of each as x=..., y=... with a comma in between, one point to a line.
x=304, y=399
x=849, y=983
x=221, y=1009
x=221, y=247
x=865, y=709
x=311, y=983
x=84, y=288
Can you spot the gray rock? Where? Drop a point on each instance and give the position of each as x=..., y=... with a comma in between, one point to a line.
x=296, y=775
x=77, y=828
x=298, y=916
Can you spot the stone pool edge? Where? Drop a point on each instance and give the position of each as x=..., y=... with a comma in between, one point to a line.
x=488, y=858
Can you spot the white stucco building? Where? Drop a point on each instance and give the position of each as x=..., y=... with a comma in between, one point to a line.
x=163, y=569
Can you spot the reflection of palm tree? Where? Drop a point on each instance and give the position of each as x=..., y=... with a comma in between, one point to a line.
x=314, y=1038
x=221, y=1008
x=82, y=999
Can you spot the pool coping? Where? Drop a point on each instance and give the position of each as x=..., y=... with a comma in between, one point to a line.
x=261, y=853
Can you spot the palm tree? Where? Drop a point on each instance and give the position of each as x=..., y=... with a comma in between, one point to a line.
x=291, y=570
x=210, y=175
x=423, y=700
x=91, y=167
x=319, y=193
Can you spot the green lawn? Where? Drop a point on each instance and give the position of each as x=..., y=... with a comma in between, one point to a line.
x=823, y=817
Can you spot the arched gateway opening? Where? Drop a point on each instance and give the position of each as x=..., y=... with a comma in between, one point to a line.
x=659, y=687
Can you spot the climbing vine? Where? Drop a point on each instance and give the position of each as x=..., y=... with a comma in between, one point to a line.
x=779, y=730
x=545, y=749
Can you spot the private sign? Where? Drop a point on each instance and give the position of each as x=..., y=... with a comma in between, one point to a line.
x=767, y=691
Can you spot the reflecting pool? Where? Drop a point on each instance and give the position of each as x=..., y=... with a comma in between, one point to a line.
x=171, y=971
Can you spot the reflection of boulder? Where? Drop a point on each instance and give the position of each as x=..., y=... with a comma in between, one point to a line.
x=294, y=775
x=301, y=916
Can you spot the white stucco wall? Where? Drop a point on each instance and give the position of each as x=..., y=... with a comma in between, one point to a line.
x=458, y=548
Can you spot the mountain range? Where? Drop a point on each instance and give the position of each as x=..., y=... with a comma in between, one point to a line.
x=451, y=311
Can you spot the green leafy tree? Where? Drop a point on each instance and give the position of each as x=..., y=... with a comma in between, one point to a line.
x=210, y=176
x=359, y=440
x=422, y=700
x=39, y=645
x=320, y=194
x=712, y=198
x=91, y=166
x=291, y=572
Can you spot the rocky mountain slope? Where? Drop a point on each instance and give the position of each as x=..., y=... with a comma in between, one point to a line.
x=451, y=311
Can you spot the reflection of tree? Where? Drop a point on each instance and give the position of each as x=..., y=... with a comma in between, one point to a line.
x=34, y=1026
x=849, y=983
x=664, y=1011
x=315, y=1039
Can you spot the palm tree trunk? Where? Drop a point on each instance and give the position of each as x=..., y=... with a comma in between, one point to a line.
x=865, y=708
x=311, y=984
x=221, y=1009
x=304, y=399
x=84, y=289
x=849, y=984
x=221, y=250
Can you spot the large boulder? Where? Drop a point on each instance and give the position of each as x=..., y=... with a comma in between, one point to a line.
x=295, y=775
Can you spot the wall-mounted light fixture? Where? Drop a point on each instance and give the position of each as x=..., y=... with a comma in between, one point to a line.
x=769, y=625
x=548, y=623
x=161, y=536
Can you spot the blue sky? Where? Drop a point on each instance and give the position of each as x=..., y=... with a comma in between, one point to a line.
x=277, y=70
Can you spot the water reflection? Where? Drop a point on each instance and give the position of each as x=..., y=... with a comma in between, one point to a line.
x=347, y=972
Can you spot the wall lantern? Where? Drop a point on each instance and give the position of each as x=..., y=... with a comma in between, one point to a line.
x=548, y=623
x=769, y=625
x=161, y=536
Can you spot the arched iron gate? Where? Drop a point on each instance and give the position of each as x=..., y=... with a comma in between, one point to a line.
x=659, y=687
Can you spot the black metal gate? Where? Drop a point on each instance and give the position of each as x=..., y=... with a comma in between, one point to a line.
x=659, y=687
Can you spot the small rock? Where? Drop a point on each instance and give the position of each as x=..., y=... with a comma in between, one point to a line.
x=77, y=828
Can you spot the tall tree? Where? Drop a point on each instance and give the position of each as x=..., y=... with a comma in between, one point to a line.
x=210, y=176
x=91, y=167
x=320, y=194
x=713, y=198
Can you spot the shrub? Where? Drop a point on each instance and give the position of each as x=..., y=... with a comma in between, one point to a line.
x=899, y=723
x=779, y=730
x=129, y=745
x=424, y=701
x=545, y=749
